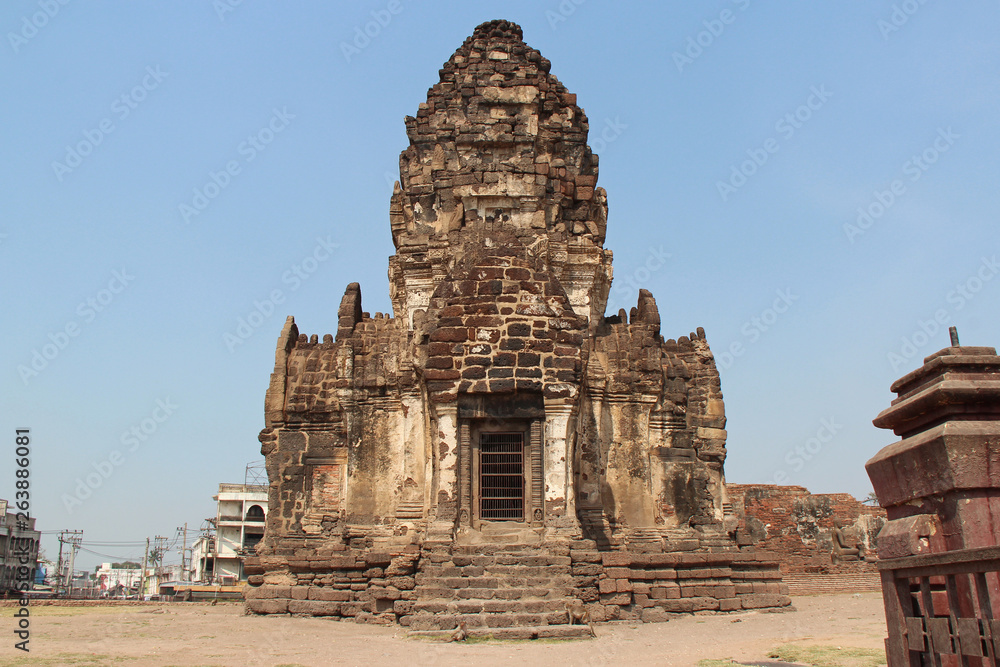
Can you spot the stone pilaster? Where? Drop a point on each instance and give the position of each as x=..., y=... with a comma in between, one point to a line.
x=560, y=502
x=447, y=459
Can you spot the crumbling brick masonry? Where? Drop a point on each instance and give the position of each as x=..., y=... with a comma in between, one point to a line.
x=498, y=445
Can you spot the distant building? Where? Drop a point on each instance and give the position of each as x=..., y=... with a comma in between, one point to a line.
x=242, y=510
x=203, y=558
x=114, y=579
x=163, y=577
x=84, y=585
x=18, y=548
x=46, y=573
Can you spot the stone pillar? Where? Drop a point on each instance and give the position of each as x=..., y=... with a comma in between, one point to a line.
x=413, y=498
x=948, y=461
x=446, y=455
x=560, y=501
x=940, y=486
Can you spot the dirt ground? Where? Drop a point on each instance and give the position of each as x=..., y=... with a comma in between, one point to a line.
x=200, y=634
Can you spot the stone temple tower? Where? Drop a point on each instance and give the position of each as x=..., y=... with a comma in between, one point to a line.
x=498, y=409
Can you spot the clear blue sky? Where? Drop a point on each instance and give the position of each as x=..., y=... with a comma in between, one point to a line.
x=739, y=138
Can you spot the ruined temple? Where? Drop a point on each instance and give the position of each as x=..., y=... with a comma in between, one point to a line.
x=498, y=445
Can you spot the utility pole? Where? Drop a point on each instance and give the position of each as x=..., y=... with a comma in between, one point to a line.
x=158, y=552
x=74, y=540
x=142, y=576
x=183, y=549
x=58, y=581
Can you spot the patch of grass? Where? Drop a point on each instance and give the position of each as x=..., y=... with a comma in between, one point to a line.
x=830, y=656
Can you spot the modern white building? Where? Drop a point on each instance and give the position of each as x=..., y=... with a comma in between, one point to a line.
x=239, y=526
x=115, y=581
x=203, y=558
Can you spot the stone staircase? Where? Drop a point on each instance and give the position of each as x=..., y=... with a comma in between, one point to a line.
x=597, y=526
x=515, y=587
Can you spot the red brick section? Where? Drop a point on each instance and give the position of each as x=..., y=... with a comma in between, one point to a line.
x=795, y=527
x=825, y=584
x=504, y=325
x=652, y=587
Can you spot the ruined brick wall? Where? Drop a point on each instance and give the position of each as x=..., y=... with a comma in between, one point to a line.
x=794, y=526
x=652, y=411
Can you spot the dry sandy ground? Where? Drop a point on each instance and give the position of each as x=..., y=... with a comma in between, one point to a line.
x=198, y=634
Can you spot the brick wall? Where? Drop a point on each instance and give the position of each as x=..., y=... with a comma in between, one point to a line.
x=795, y=527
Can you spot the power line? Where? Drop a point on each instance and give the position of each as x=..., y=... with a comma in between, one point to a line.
x=113, y=557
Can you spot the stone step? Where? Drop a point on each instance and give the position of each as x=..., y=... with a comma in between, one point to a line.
x=499, y=539
x=551, y=570
x=583, y=545
x=518, y=548
x=425, y=621
x=489, y=606
x=502, y=558
x=443, y=593
x=528, y=632
x=501, y=571
x=410, y=507
x=495, y=583
x=478, y=582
